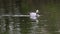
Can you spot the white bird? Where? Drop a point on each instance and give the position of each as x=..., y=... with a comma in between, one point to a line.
x=34, y=15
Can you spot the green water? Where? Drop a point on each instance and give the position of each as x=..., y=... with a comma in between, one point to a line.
x=48, y=24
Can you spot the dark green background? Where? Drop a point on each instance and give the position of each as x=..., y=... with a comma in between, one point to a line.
x=50, y=9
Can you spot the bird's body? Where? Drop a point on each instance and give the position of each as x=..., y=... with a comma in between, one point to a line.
x=33, y=15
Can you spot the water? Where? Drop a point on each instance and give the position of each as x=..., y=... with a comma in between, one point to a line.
x=20, y=25
x=24, y=25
